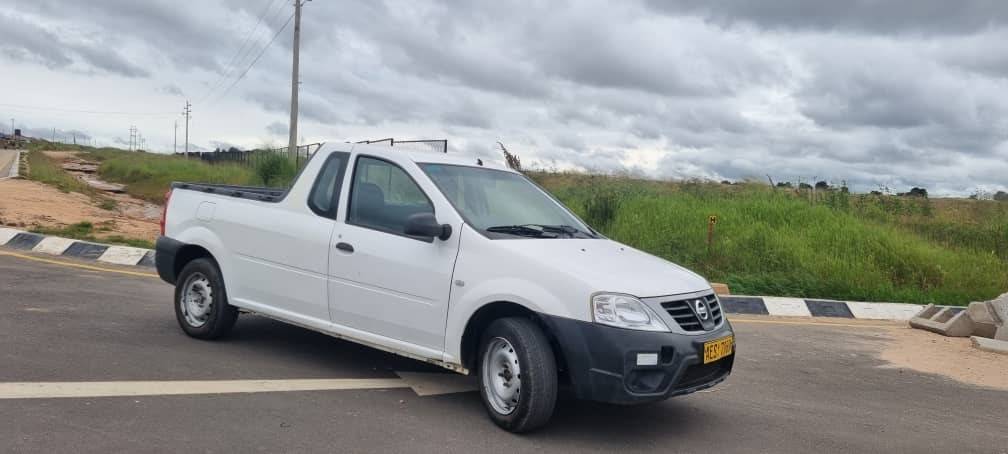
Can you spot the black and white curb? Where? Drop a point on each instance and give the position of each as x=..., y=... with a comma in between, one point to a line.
x=54, y=245
x=802, y=307
x=734, y=304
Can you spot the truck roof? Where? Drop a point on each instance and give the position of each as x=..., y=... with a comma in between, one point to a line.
x=432, y=156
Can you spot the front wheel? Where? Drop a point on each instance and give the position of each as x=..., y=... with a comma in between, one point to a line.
x=201, y=304
x=518, y=374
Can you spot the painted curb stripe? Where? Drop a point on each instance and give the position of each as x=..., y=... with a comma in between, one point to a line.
x=884, y=311
x=53, y=245
x=6, y=234
x=85, y=250
x=825, y=308
x=122, y=255
x=744, y=305
x=786, y=307
x=25, y=240
x=147, y=260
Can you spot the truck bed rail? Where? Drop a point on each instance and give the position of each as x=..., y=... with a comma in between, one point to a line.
x=259, y=193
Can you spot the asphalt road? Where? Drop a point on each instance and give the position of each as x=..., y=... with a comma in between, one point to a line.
x=795, y=388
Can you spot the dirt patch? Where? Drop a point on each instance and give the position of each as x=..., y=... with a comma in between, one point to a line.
x=27, y=204
x=902, y=347
x=952, y=357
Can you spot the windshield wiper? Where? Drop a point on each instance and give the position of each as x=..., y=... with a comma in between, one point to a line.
x=536, y=229
x=532, y=230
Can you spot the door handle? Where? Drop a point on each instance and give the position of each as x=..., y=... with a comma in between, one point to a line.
x=345, y=247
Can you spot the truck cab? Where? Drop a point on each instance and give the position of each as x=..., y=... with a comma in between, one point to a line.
x=449, y=260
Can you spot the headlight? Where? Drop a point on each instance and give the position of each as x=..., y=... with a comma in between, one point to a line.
x=625, y=311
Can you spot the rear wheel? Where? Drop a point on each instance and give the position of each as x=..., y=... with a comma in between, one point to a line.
x=518, y=374
x=201, y=306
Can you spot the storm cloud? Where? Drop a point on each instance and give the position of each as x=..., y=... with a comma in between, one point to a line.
x=898, y=93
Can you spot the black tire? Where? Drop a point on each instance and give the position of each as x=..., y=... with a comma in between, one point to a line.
x=220, y=316
x=537, y=394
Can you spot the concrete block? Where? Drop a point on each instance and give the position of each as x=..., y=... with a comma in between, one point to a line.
x=53, y=245
x=7, y=233
x=884, y=311
x=990, y=345
x=984, y=321
x=946, y=321
x=789, y=307
x=122, y=255
x=720, y=289
x=999, y=309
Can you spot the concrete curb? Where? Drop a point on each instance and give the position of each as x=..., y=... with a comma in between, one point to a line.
x=733, y=304
x=990, y=345
x=807, y=307
x=54, y=245
x=15, y=167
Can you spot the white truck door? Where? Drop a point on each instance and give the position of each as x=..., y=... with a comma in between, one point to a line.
x=383, y=281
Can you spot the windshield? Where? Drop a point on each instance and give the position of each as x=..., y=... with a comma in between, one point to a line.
x=504, y=204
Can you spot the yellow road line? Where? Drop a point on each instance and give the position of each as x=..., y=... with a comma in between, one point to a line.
x=799, y=322
x=77, y=265
x=52, y=390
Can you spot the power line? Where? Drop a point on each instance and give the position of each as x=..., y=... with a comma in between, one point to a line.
x=263, y=51
x=82, y=111
x=242, y=52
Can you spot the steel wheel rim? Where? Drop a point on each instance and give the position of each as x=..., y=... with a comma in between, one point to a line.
x=501, y=376
x=196, y=300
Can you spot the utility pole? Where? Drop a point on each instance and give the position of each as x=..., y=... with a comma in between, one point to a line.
x=292, y=143
x=188, y=114
x=133, y=133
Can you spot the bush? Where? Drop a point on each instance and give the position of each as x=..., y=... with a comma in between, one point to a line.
x=275, y=170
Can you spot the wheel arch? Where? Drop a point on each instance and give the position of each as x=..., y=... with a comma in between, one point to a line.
x=486, y=314
x=187, y=254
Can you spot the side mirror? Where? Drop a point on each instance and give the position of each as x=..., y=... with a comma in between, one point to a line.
x=426, y=225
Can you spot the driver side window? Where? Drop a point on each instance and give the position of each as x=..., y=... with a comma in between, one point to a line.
x=383, y=196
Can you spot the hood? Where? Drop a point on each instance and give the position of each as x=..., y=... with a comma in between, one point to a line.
x=605, y=265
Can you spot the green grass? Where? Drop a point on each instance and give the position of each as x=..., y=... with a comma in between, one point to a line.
x=44, y=169
x=778, y=242
x=148, y=176
x=85, y=231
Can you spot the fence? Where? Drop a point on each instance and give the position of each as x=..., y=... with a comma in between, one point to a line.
x=250, y=158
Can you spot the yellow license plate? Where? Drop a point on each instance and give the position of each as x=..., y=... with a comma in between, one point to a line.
x=717, y=349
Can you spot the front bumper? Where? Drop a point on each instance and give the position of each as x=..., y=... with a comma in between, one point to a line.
x=602, y=361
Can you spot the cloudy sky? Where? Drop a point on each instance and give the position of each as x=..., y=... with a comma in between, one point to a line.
x=898, y=93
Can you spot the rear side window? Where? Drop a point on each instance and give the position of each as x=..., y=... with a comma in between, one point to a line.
x=384, y=196
x=324, y=196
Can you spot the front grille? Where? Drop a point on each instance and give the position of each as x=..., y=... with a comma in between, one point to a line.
x=684, y=313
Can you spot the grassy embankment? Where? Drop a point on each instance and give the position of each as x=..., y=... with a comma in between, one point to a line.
x=779, y=242
x=148, y=175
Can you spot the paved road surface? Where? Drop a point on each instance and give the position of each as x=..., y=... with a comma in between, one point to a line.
x=796, y=388
x=7, y=159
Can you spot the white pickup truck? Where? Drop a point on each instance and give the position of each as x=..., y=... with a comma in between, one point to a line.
x=441, y=258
